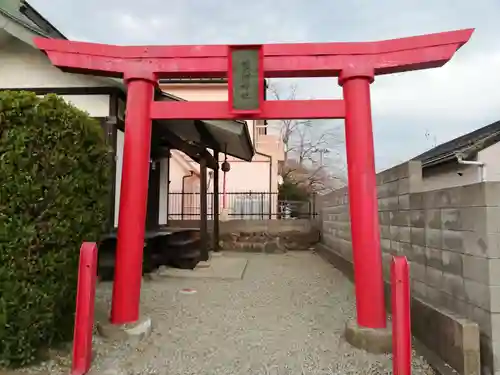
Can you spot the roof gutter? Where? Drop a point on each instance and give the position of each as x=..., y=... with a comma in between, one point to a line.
x=480, y=164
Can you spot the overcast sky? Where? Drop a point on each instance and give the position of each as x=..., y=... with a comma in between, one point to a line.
x=443, y=103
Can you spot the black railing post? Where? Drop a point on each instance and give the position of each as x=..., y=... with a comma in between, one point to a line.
x=242, y=206
x=262, y=206
x=271, y=196
x=169, y=155
x=314, y=205
x=182, y=205
x=215, y=206
x=203, y=210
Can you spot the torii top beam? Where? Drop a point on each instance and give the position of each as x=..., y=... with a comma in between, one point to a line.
x=280, y=60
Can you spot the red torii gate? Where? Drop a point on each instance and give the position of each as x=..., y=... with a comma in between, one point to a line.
x=355, y=64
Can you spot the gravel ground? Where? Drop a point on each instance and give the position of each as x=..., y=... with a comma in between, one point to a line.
x=286, y=316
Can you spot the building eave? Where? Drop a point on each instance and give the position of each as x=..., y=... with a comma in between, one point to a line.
x=468, y=146
x=44, y=24
x=25, y=32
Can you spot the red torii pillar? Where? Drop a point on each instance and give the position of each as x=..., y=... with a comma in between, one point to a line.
x=363, y=203
x=355, y=64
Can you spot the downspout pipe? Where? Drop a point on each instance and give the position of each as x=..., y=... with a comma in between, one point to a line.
x=190, y=174
x=270, y=181
x=270, y=187
x=480, y=164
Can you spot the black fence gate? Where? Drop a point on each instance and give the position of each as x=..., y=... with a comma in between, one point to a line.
x=241, y=205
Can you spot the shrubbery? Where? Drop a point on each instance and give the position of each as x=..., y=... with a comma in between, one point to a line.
x=55, y=182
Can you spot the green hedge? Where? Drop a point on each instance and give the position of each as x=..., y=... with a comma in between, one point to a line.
x=54, y=194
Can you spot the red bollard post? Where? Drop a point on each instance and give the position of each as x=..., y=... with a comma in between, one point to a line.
x=84, y=315
x=401, y=322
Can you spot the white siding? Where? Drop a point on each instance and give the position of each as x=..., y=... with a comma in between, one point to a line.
x=449, y=175
x=95, y=105
x=24, y=66
x=490, y=156
x=120, y=136
x=163, y=191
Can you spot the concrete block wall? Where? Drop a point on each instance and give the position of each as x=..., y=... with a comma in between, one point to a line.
x=451, y=238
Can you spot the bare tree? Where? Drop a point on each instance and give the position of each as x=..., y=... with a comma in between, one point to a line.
x=319, y=179
x=312, y=148
x=431, y=137
x=286, y=128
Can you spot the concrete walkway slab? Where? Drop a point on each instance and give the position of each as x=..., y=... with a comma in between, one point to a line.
x=219, y=268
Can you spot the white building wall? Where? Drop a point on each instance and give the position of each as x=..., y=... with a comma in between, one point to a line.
x=244, y=176
x=23, y=66
x=449, y=175
x=163, y=216
x=95, y=105
x=120, y=137
x=490, y=156
x=454, y=174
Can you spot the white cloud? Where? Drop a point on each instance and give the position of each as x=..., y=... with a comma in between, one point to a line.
x=464, y=89
x=129, y=23
x=78, y=38
x=445, y=102
x=140, y=29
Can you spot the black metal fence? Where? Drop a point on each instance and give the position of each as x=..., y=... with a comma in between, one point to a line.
x=248, y=206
